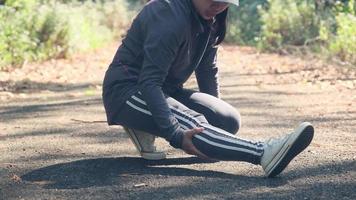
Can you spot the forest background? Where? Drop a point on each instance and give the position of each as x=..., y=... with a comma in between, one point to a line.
x=38, y=30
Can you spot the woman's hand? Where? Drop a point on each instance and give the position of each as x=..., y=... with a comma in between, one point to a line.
x=188, y=146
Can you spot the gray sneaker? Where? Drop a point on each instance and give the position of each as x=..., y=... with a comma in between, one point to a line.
x=279, y=152
x=144, y=143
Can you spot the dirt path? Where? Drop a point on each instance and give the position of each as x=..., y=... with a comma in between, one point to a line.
x=55, y=145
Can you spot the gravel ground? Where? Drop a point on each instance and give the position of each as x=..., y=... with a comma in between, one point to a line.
x=55, y=144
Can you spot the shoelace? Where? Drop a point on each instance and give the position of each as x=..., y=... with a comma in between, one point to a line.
x=273, y=141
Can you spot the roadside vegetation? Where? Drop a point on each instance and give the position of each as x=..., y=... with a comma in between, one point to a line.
x=324, y=27
x=37, y=30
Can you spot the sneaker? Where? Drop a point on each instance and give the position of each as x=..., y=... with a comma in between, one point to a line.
x=144, y=143
x=279, y=152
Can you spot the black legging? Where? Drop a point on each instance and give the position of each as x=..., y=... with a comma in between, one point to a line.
x=194, y=109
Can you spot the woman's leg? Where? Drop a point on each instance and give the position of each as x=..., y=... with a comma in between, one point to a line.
x=218, y=112
x=274, y=155
x=213, y=141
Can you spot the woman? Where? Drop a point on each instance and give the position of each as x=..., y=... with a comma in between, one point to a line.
x=143, y=87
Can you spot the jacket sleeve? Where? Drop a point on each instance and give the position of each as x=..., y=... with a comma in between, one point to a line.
x=160, y=47
x=207, y=72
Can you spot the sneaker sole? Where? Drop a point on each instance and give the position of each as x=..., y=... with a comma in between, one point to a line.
x=134, y=139
x=157, y=155
x=153, y=155
x=291, y=149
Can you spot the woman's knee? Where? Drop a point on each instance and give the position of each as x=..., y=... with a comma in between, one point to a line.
x=216, y=111
x=228, y=120
x=231, y=122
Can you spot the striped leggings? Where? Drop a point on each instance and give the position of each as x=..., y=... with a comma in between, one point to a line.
x=193, y=109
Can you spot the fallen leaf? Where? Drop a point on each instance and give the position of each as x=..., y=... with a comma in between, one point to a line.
x=42, y=182
x=140, y=185
x=16, y=178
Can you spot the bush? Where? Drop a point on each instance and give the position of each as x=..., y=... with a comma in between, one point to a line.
x=288, y=22
x=323, y=26
x=116, y=16
x=344, y=43
x=244, y=22
x=39, y=30
x=15, y=38
x=85, y=27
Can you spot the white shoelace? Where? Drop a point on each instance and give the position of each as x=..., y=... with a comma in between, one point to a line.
x=273, y=141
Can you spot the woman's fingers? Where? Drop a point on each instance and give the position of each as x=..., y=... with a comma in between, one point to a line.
x=194, y=131
x=188, y=145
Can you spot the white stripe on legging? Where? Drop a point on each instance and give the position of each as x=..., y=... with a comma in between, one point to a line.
x=221, y=138
x=237, y=141
x=225, y=146
x=216, y=129
x=138, y=108
x=215, y=143
x=139, y=100
x=221, y=131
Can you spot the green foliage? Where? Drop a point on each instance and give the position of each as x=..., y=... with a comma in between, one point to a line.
x=288, y=22
x=244, y=22
x=35, y=30
x=38, y=30
x=344, y=43
x=323, y=26
x=85, y=28
x=116, y=16
x=15, y=35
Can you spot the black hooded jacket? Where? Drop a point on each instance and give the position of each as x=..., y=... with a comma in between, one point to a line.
x=165, y=44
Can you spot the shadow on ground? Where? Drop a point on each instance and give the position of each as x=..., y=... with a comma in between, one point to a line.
x=43, y=110
x=109, y=171
x=28, y=86
x=125, y=172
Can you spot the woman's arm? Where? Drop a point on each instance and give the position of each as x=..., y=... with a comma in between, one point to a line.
x=163, y=36
x=207, y=72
